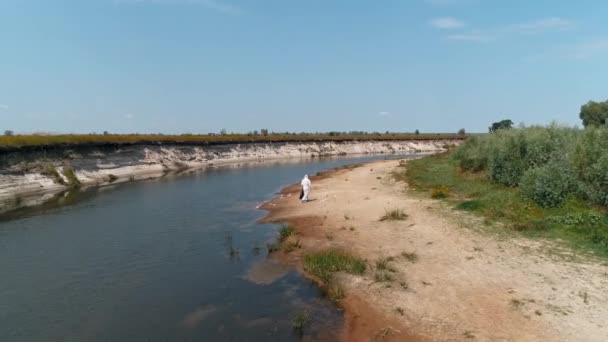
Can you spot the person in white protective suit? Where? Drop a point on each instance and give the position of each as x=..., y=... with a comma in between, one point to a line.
x=306, y=185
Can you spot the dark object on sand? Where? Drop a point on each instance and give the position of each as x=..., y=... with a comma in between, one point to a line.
x=301, y=193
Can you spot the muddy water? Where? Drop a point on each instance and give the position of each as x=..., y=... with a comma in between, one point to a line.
x=176, y=259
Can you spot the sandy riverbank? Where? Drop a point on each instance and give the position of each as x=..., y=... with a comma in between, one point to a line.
x=463, y=285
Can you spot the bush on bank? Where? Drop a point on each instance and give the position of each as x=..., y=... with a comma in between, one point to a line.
x=548, y=164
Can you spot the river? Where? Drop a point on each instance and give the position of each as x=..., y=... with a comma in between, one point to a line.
x=176, y=259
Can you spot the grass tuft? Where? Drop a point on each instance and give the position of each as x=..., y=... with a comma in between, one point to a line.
x=383, y=276
x=286, y=231
x=440, y=192
x=394, y=215
x=335, y=292
x=473, y=205
x=299, y=322
x=410, y=256
x=324, y=264
x=50, y=171
x=73, y=181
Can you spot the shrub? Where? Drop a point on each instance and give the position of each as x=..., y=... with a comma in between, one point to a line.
x=441, y=192
x=507, y=164
x=548, y=185
x=473, y=154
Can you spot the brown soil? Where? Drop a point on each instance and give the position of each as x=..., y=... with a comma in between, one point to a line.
x=464, y=285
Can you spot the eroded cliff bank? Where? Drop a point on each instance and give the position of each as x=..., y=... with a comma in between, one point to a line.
x=29, y=176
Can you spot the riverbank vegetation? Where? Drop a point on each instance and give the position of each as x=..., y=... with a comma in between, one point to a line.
x=93, y=139
x=324, y=264
x=543, y=181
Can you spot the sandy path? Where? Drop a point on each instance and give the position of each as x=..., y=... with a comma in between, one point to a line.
x=464, y=285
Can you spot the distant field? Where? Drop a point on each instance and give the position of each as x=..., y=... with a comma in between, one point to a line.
x=91, y=139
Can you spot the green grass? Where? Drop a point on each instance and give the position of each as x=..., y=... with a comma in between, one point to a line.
x=393, y=215
x=335, y=292
x=324, y=264
x=579, y=223
x=73, y=181
x=299, y=322
x=91, y=139
x=286, y=231
x=50, y=171
x=383, y=276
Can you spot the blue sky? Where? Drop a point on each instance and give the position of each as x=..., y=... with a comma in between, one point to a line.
x=197, y=66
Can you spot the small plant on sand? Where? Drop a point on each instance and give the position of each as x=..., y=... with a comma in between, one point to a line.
x=516, y=303
x=299, y=322
x=393, y=215
x=400, y=311
x=324, y=264
x=468, y=334
x=292, y=246
x=404, y=285
x=382, y=276
x=286, y=231
x=335, y=292
x=410, y=256
x=440, y=192
x=383, y=265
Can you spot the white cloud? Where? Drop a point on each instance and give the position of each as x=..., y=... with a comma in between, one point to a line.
x=472, y=36
x=544, y=25
x=211, y=4
x=587, y=50
x=551, y=24
x=3, y=107
x=384, y=113
x=446, y=23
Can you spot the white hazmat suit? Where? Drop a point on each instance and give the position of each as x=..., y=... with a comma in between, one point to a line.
x=306, y=185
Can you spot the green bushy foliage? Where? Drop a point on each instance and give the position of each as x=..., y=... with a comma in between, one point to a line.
x=591, y=164
x=548, y=185
x=548, y=163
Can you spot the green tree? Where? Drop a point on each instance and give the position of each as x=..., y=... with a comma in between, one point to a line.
x=594, y=113
x=8, y=133
x=417, y=132
x=264, y=131
x=503, y=124
x=462, y=131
